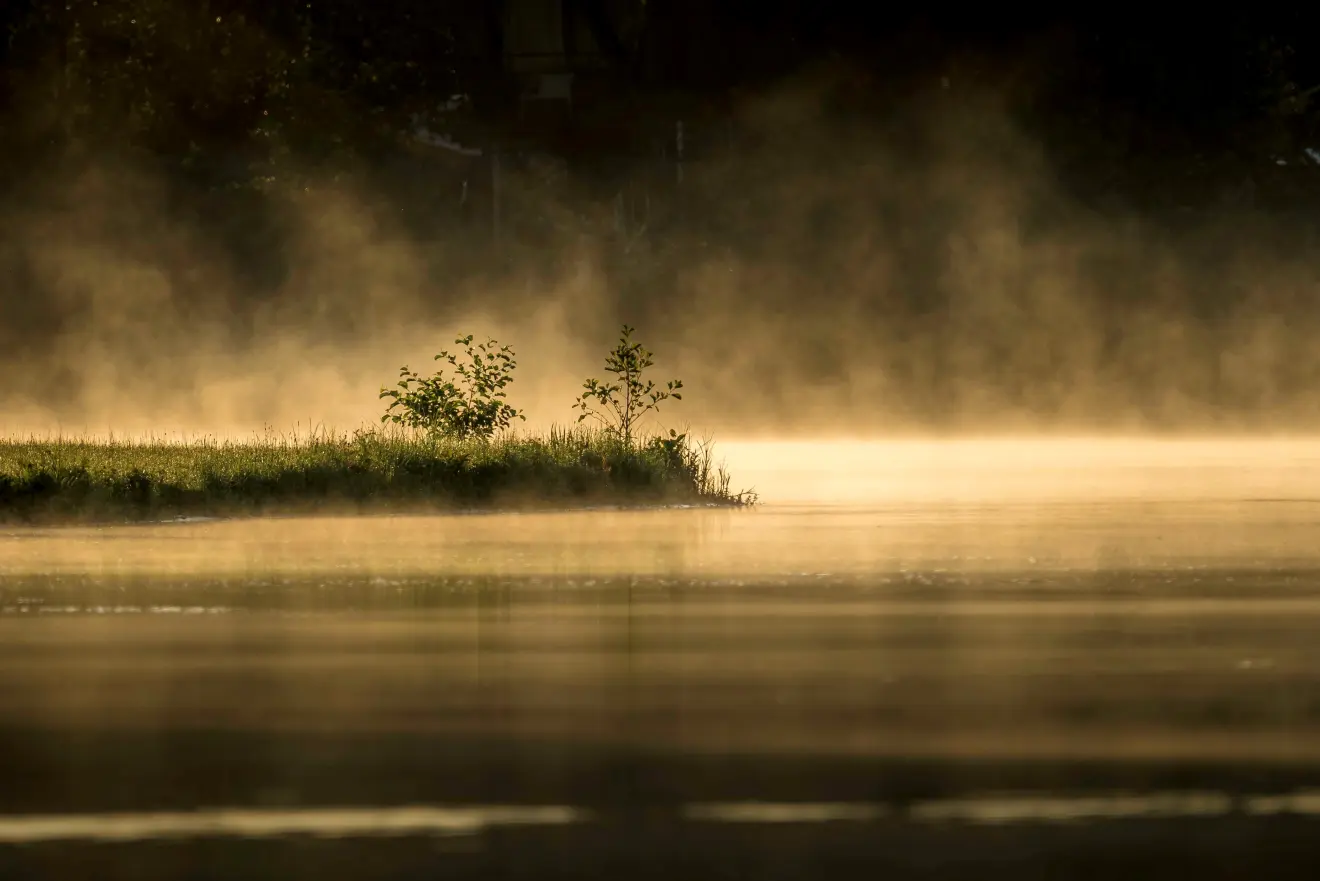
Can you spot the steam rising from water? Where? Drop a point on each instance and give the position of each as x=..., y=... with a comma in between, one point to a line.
x=868, y=510
x=925, y=272
x=1024, y=470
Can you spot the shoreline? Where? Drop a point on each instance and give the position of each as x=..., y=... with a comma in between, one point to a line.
x=81, y=483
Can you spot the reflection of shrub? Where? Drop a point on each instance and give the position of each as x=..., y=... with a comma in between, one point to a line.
x=472, y=407
x=619, y=406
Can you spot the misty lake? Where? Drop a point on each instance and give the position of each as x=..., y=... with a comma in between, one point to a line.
x=910, y=650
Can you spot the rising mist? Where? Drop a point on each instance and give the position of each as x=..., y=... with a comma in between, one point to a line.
x=925, y=269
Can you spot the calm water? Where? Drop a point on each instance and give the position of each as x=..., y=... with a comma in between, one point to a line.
x=905, y=636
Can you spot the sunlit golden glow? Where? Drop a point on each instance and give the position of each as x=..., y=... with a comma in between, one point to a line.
x=960, y=289
x=842, y=508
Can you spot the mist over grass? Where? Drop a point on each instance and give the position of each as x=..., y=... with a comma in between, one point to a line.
x=83, y=480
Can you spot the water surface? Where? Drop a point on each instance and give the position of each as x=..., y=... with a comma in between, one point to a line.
x=904, y=635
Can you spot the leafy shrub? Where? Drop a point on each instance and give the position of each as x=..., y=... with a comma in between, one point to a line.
x=619, y=406
x=470, y=406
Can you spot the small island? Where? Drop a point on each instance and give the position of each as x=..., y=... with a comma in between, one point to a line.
x=445, y=444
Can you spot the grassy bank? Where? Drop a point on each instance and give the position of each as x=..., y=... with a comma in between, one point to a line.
x=69, y=481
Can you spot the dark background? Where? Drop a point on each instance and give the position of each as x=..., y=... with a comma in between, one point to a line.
x=205, y=77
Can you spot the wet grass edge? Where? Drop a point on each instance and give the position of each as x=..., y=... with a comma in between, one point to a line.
x=52, y=481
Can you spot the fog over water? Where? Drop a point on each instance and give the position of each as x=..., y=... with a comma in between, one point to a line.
x=931, y=271
x=1037, y=546
x=845, y=508
x=985, y=621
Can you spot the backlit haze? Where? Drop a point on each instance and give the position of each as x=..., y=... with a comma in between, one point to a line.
x=928, y=275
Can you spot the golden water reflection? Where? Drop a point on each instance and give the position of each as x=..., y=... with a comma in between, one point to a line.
x=830, y=509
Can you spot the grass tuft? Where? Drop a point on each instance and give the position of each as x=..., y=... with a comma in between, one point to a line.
x=82, y=480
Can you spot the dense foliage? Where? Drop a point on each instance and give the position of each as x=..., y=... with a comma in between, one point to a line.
x=470, y=406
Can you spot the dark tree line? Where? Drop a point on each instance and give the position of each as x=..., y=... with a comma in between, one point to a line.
x=225, y=82
x=228, y=87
